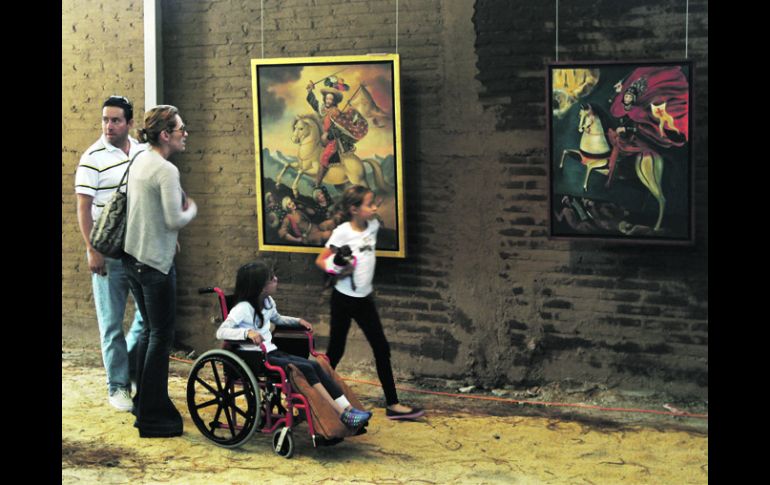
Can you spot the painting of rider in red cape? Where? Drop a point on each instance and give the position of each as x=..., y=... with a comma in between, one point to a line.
x=323, y=124
x=620, y=160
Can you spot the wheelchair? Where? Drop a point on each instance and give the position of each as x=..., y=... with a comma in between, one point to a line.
x=229, y=403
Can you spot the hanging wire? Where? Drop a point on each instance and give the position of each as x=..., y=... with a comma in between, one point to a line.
x=262, y=25
x=396, y=26
x=557, y=30
x=687, y=30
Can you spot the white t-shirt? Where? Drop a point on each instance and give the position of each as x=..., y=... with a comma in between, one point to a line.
x=100, y=169
x=363, y=244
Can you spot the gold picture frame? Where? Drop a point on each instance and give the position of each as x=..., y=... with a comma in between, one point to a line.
x=322, y=124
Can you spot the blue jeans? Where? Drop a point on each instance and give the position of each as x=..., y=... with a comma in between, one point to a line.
x=155, y=293
x=110, y=296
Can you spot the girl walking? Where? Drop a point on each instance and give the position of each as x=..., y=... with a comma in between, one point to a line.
x=352, y=297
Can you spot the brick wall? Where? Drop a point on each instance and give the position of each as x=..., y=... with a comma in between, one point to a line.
x=102, y=54
x=636, y=314
x=483, y=294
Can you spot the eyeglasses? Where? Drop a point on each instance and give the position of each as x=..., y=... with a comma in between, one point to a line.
x=182, y=128
x=120, y=98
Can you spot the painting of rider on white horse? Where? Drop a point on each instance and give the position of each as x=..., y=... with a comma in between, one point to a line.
x=322, y=125
x=621, y=143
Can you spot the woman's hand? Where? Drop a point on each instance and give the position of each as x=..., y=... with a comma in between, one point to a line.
x=306, y=324
x=255, y=337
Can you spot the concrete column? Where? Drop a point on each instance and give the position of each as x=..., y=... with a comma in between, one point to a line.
x=153, y=54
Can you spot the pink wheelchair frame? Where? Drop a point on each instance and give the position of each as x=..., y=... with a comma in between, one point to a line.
x=260, y=394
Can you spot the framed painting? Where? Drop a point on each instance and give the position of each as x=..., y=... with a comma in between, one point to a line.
x=322, y=124
x=620, y=151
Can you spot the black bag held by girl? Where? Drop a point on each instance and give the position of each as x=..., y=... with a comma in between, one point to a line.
x=108, y=233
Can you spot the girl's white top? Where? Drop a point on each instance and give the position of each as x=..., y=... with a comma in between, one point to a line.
x=363, y=245
x=242, y=318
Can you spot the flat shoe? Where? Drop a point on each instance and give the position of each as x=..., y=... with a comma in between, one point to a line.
x=413, y=414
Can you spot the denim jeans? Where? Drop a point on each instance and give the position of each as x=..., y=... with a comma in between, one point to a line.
x=155, y=294
x=110, y=295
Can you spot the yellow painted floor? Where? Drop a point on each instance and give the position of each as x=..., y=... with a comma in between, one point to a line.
x=454, y=444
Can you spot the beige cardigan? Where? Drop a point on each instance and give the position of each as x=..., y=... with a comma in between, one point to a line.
x=155, y=213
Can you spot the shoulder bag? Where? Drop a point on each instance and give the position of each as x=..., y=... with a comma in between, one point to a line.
x=109, y=231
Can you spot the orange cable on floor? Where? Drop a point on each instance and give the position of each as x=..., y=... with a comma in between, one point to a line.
x=517, y=401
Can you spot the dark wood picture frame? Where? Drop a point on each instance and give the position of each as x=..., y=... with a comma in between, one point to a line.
x=620, y=151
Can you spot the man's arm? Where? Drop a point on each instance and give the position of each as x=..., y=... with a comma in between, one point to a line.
x=86, y=222
x=312, y=101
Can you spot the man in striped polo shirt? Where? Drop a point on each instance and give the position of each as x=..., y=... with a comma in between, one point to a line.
x=99, y=172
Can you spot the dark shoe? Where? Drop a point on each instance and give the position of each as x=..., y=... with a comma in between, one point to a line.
x=353, y=418
x=159, y=431
x=159, y=434
x=413, y=414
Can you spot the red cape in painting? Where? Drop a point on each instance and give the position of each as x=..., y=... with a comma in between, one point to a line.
x=662, y=108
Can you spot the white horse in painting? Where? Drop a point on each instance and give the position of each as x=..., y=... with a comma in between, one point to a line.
x=306, y=132
x=595, y=151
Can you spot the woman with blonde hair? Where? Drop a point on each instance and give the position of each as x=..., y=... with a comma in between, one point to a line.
x=157, y=209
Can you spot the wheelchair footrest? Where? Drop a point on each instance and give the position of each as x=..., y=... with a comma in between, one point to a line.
x=321, y=441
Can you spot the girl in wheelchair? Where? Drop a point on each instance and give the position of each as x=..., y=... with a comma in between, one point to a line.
x=249, y=325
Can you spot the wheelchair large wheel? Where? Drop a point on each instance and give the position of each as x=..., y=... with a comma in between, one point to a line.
x=223, y=398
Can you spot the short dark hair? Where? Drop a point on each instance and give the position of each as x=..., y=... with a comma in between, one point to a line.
x=121, y=102
x=336, y=94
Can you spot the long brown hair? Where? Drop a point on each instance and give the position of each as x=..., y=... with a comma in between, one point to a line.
x=353, y=197
x=159, y=119
x=250, y=281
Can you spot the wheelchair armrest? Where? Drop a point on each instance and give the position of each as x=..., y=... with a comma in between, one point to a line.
x=292, y=331
x=297, y=331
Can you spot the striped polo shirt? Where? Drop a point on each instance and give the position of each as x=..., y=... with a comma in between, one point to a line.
x=100, y=169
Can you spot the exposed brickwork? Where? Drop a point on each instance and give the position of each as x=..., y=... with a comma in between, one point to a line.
x=636, y=314
x=102, y=54
x=483, y=294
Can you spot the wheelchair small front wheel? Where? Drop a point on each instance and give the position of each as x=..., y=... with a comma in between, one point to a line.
x=283, y=442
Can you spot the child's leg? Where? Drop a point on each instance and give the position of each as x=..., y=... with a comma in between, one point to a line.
x=367, y=318
x=340, y=325
x=315, y=376
x=325, y=394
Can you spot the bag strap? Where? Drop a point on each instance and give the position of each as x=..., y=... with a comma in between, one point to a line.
x=125, y=174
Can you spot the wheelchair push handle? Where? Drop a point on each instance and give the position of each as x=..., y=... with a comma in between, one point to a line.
x=203, y=291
